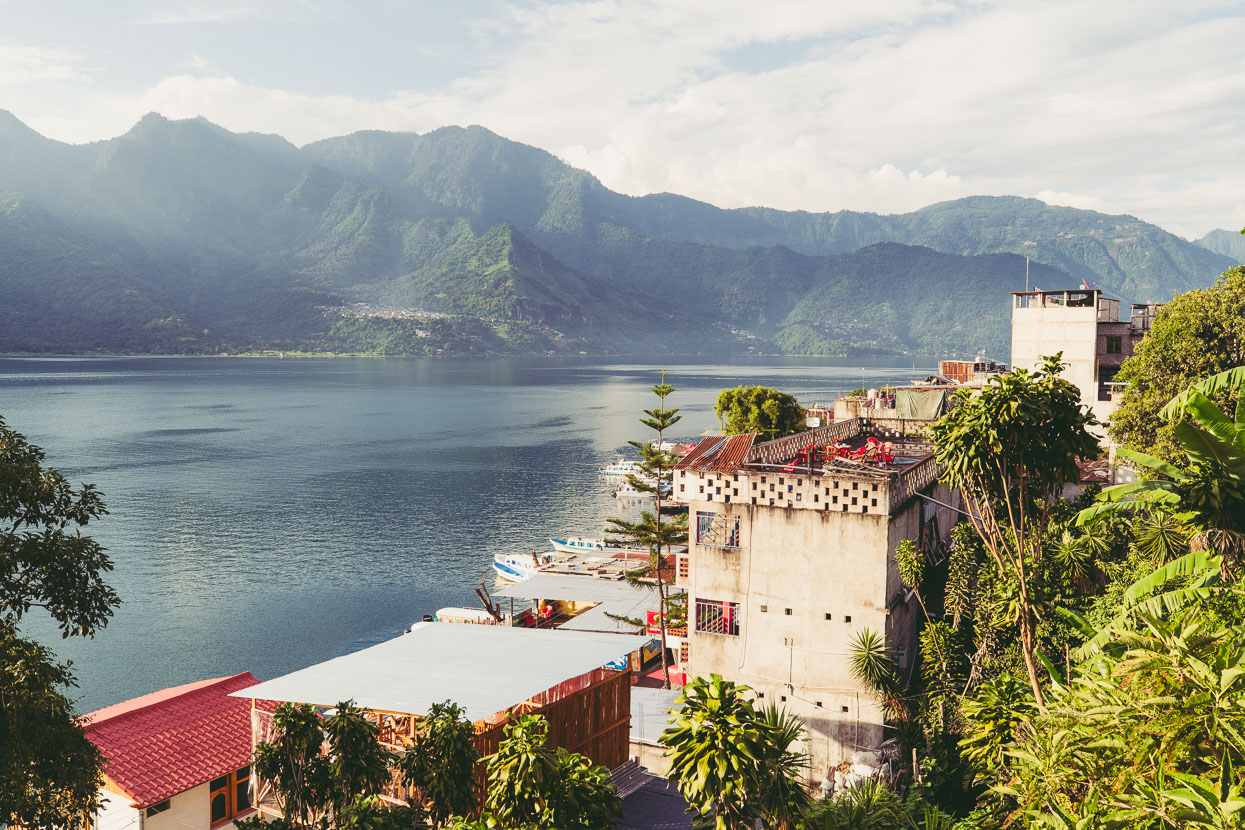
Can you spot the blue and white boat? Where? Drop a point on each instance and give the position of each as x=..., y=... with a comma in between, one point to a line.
x=620, y=468
x=516, y=567
x=581, y=544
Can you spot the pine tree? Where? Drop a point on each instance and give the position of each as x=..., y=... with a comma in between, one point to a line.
x=656, y=472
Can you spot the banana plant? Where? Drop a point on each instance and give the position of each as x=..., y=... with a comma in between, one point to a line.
x=1212, y=488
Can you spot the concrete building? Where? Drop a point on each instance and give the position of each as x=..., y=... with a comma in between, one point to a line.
x=1085, y=325
x=791, y=556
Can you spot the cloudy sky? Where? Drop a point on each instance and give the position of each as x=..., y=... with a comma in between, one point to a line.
x=1126, y=106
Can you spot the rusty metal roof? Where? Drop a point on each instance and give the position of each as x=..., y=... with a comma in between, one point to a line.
x=721, y=453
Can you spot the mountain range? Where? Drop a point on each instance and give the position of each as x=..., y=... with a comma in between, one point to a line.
x=180, y=236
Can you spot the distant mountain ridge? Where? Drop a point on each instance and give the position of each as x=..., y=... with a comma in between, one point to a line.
x=183, y=236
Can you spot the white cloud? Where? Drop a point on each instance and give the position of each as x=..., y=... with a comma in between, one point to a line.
x=191, y=14
x=1120, y=106
x=35, y=64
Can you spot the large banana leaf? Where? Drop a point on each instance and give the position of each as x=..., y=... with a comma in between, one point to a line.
x=1144, y=460
x=1213, y=385
x=1203, y=447
x=1166, y=603
x=1150, y=492
x=1190, y=563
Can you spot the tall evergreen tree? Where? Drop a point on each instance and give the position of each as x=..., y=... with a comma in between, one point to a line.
x=656, y=473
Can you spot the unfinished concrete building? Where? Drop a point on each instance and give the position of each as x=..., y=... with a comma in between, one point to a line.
x=792, y=554
x=1085, y=326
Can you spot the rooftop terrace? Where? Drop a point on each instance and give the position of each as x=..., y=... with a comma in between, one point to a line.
x=839, y=450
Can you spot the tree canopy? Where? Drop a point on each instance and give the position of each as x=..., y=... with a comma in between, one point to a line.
x=760, y=409
x=49, y=772
x=1198, y=334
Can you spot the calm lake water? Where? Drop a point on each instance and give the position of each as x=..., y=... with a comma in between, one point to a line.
x=270, y=514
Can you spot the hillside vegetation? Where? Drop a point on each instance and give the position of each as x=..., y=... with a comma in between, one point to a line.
x=180, y=236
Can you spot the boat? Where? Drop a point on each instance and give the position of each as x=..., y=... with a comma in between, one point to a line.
x=580, y=544
x=620, y=468
x=516, y=567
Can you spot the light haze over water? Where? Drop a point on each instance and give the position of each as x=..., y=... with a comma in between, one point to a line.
x=268, y=514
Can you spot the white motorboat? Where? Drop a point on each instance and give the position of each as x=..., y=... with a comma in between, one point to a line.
x=516, y=567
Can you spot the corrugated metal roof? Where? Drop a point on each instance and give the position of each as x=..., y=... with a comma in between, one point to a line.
x=574, y=588
x=486, y=669
x=719, y=452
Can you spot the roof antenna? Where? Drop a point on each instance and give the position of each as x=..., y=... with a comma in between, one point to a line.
x=1026, y=275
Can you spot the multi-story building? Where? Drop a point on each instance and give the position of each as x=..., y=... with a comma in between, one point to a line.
x=791, y=556
x=1085, y=326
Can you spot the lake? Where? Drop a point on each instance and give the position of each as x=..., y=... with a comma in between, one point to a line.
x=267, y=514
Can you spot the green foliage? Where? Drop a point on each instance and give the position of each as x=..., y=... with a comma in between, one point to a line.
x=49, y=772
x=359, y=765
x=731, y=763
x=1210, y=488
x=534, y=787
x=651, y=532
x=441, y=760
x=293, y=764
x=1150, y=731
x=1010, y=450
x=871, y=805
x=1198, y=334
x=760, y=409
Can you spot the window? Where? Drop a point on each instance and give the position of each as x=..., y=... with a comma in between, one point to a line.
x=787, y=611
x=828, y=615
x=158, y=808
x=1115, y=344
x=848, y=618
x=230, y=795
x=717, y=531
x=717, y=617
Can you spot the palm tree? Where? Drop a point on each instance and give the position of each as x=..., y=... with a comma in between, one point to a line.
x=733, y=764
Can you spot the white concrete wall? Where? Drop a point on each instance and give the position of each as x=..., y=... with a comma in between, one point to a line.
x=116, y=812
x=1042, y=331
x=189, y=810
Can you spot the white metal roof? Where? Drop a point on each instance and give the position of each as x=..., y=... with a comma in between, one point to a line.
x=483, y=668
x=597, y=617
x=571, y=587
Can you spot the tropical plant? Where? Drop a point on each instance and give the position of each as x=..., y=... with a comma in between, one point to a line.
x=1195, y=335
x=359, y=765
x=1147, y=732
x=731, y=763
x=871, y=805
x=1009, y=450
x=293, y=765
x=782, y=798
x=531, y=785
x=651, y=532
x=50, y=773
x=759, y=409
x=441, y=762
x=1210, y=489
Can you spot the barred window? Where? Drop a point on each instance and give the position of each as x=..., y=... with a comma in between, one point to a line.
x=717, y=617
x=717, y=531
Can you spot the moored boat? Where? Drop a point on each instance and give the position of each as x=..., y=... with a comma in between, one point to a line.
x=516, y=567
x=620, y=468
x=580, y=544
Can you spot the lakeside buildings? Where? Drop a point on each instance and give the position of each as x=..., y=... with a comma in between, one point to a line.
x=1085, y=325
x=792, y=555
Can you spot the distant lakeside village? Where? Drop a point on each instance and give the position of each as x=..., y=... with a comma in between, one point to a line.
x=790, y=555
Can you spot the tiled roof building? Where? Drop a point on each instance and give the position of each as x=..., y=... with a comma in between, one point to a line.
x=179, y=756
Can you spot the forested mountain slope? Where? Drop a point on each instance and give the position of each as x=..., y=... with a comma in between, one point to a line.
x=183, y=236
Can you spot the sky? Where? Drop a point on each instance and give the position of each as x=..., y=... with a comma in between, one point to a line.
x=1123, y=106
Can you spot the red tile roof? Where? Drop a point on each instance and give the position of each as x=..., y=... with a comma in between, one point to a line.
x=718, y=452
x=164, y=743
